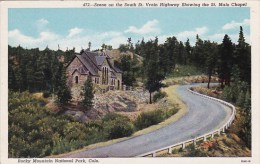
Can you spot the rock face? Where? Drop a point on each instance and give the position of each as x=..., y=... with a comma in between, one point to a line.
x=111, y=101
x=77, y=115
x=120, y=100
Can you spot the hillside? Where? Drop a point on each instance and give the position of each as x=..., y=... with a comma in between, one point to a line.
x=116, y=54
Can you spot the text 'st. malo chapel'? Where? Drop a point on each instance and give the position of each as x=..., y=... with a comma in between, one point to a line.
x=99, y=66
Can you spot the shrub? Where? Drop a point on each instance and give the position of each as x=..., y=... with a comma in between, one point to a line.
x=174, y=151
x=169, y=112
x=46, y=94
x=241, y=99
x=159, y=95
x=35, y=132
x=112, y=116
x=149, y=118
x=195, y=152
x=117, y=126
x=61, y=147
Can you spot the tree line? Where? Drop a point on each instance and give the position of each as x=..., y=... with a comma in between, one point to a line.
x=35, y=70
x=229, y=61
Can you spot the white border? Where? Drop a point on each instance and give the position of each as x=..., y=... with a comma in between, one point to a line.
x=255, y=42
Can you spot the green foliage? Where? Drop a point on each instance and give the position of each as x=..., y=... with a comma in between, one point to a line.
x=242, y=57
x=225, y=62
x=169, y=55
x=239, y=93
x=35, y=132
x=34, y=70
x=159, y=95
x=199, y=56
x=106, y=47
x=147, y=119
x=228, y=94
x=241, y=99
x=123, y=48
x=128, y=66
x=236, y=91
x=28, y=135
x=247, y=126
x=116, y=126
x=195, y=152
x=63, y=93
x=185, y=70
x=66, y=146
x=152, y=70
x=88, y=94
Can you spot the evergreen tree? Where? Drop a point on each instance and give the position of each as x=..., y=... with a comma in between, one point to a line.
x=242, y=57
x=63, y=93
x=210, y=50
x=152, y=68
x=181, y=56
x=198, y=53
x=88, y=94
x=123, y=48
x=128, y=66
x=168, y=54
x=225, y=62
x=11, y=78
x=188, y=52
x=164, y=60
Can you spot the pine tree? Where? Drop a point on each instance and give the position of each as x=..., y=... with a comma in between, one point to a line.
x=198, y=53
x=181, y=58
x=169, y=52
x=210, y=50
x=242, y=57
x=11, y=78
x=188, y=52
x=225, y=63
x=63, y=93
x=152, y=68
x=88, y=94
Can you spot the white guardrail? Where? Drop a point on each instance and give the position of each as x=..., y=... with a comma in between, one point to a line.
x=203, y=137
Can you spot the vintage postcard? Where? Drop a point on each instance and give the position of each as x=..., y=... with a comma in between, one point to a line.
x=129, y=81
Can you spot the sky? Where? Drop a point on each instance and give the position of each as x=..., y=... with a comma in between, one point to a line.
x=76, y=27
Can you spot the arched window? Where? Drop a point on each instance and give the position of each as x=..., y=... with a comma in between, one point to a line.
x=103, y=75
x=76, y=79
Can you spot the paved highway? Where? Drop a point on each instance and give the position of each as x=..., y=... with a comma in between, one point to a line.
x=204, y=115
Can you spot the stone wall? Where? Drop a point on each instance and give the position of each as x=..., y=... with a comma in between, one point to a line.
x=71, y=75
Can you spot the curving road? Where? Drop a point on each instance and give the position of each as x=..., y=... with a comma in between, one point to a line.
x=204, y=115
